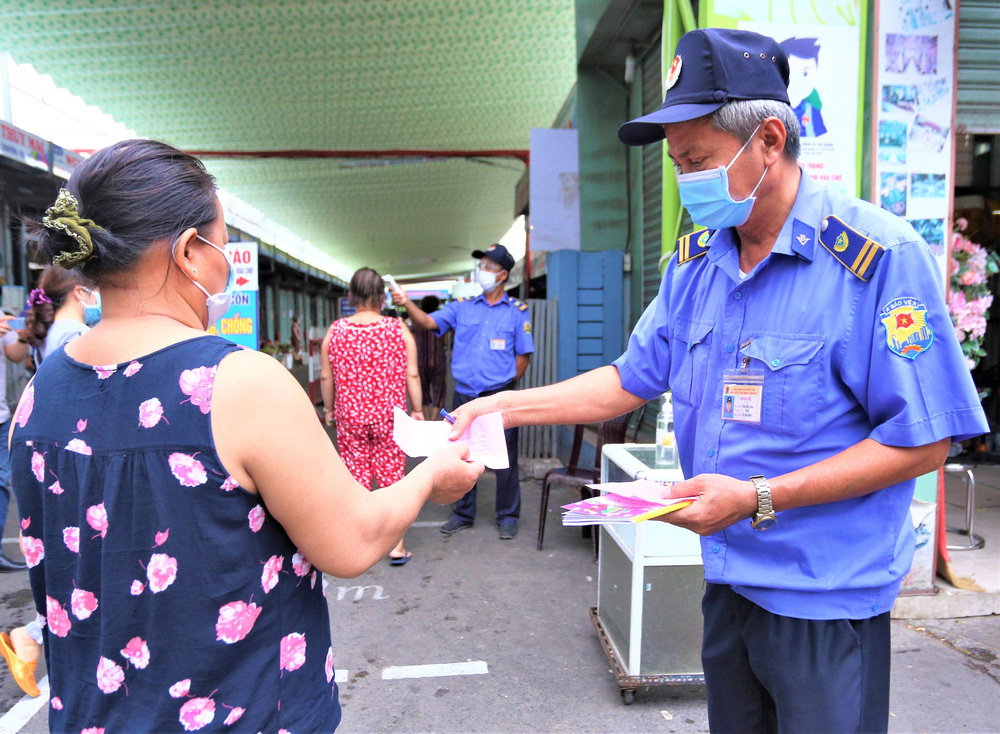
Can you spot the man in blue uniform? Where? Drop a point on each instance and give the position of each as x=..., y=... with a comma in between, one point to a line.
x=492, y=348
x=823, y=317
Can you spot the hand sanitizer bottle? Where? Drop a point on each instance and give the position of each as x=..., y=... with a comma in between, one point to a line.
x=666, y=444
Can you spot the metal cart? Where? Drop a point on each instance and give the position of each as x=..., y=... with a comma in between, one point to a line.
x=650, y=567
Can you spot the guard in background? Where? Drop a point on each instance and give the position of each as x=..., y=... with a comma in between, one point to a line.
x=823, y=316
x=491, y=351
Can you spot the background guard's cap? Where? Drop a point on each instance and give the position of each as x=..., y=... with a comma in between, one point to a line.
x=498, y=254
x=713, y=66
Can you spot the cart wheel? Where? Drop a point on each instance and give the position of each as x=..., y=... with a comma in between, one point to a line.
x=627, y=695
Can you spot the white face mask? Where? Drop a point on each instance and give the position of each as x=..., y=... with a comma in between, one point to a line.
x=487, y=280
x=218, y=304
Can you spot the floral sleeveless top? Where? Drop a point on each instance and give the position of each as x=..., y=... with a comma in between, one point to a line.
x=369, y=371
x=170, y=600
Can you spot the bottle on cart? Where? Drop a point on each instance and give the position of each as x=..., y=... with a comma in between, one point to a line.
x=666, y=443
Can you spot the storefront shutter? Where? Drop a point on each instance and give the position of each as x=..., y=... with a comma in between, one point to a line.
x=978, y=88
x=652, y=178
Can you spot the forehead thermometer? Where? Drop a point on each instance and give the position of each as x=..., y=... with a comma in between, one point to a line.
x=392, y=283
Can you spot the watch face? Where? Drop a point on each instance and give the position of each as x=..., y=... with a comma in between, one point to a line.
x=764, y=523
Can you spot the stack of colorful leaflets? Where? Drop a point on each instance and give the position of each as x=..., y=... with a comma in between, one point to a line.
x=623, y=503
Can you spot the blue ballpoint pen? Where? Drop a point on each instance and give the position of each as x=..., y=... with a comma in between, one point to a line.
x=447, y=416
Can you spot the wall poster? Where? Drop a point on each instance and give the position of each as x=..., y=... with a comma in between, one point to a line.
x=912, y=116
x=824, y=43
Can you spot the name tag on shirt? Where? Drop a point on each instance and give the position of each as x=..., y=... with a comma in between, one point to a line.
x=498, y=345
x=742, y=395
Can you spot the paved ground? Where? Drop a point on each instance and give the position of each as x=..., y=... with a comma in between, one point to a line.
x=522, y=615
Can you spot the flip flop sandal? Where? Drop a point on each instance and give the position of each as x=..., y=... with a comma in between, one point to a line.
x=401, y=561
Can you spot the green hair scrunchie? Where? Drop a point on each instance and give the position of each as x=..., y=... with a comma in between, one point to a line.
x=64, y=216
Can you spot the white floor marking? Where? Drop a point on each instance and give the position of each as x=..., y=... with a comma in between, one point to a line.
x=340, y=676
x=22, y=711
x=424, y=524
x=435, y=670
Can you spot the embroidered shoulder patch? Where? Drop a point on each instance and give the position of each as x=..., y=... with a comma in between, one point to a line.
x=527, y=327
x=693, y=245
x=857, y=253
x=906, y=329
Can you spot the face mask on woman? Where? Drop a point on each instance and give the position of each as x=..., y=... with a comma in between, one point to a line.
x=706, y=196
x=218, y=304
x=92, y=314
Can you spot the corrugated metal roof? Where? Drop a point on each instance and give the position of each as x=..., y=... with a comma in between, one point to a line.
x=327, y=75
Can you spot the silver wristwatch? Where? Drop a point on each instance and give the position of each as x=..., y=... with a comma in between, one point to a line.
x=764, y=518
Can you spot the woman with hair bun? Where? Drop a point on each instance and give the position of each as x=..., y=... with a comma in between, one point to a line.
x=179, y=500
x=64, y=305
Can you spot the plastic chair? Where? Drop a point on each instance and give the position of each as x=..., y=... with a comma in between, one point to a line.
x=578, y=477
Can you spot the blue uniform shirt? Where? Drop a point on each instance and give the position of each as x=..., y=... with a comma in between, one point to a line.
x=831, y=379
x=488, y=338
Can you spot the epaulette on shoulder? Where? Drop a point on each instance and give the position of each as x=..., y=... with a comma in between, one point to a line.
x=462, y=299
x=856, y=252
x=519, y=305
x=692, y=245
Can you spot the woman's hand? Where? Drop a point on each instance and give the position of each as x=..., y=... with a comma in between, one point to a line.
x=451, y=475
x=417, y=415
x=328, y=417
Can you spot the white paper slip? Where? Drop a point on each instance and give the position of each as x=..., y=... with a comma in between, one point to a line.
x=422, y=438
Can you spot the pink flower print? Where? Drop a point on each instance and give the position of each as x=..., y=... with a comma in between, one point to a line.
x=38, y=465
x=79, y=446
x=26, y=406
x=110, y=675
x=105, y=371
x=132, y=368
x=301, y=564
x=312, y=580
x=187, y=470
x=71, y=537
x=56, y=488
x=198, y=384
x=56, y=703
x=197, y=713
x=97, y=518
x=81, y=425
x=234, y=716
x=58, y=619
x=25, y=523
x=136, y=652
x=229, y=485
x=256, y=518
x=137, y=587
x=93, y=730
x=83, y=603
x=161, y=538
x=236, y=619
x=161, y=572
x=180, y=688
x=150, y=413
x=33, y=550
x=269, y=578
x=328, y=666
x=293, y=652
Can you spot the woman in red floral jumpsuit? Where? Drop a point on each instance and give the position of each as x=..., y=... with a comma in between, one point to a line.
x=371, y=365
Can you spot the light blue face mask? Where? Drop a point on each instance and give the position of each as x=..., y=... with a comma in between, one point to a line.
x=705, y=194
x=92, y=314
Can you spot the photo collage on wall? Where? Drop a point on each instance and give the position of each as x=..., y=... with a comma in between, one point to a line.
x=914, y=114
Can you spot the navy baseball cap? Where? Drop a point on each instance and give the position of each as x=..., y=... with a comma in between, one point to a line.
x=713, y=66
x=498, y=254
